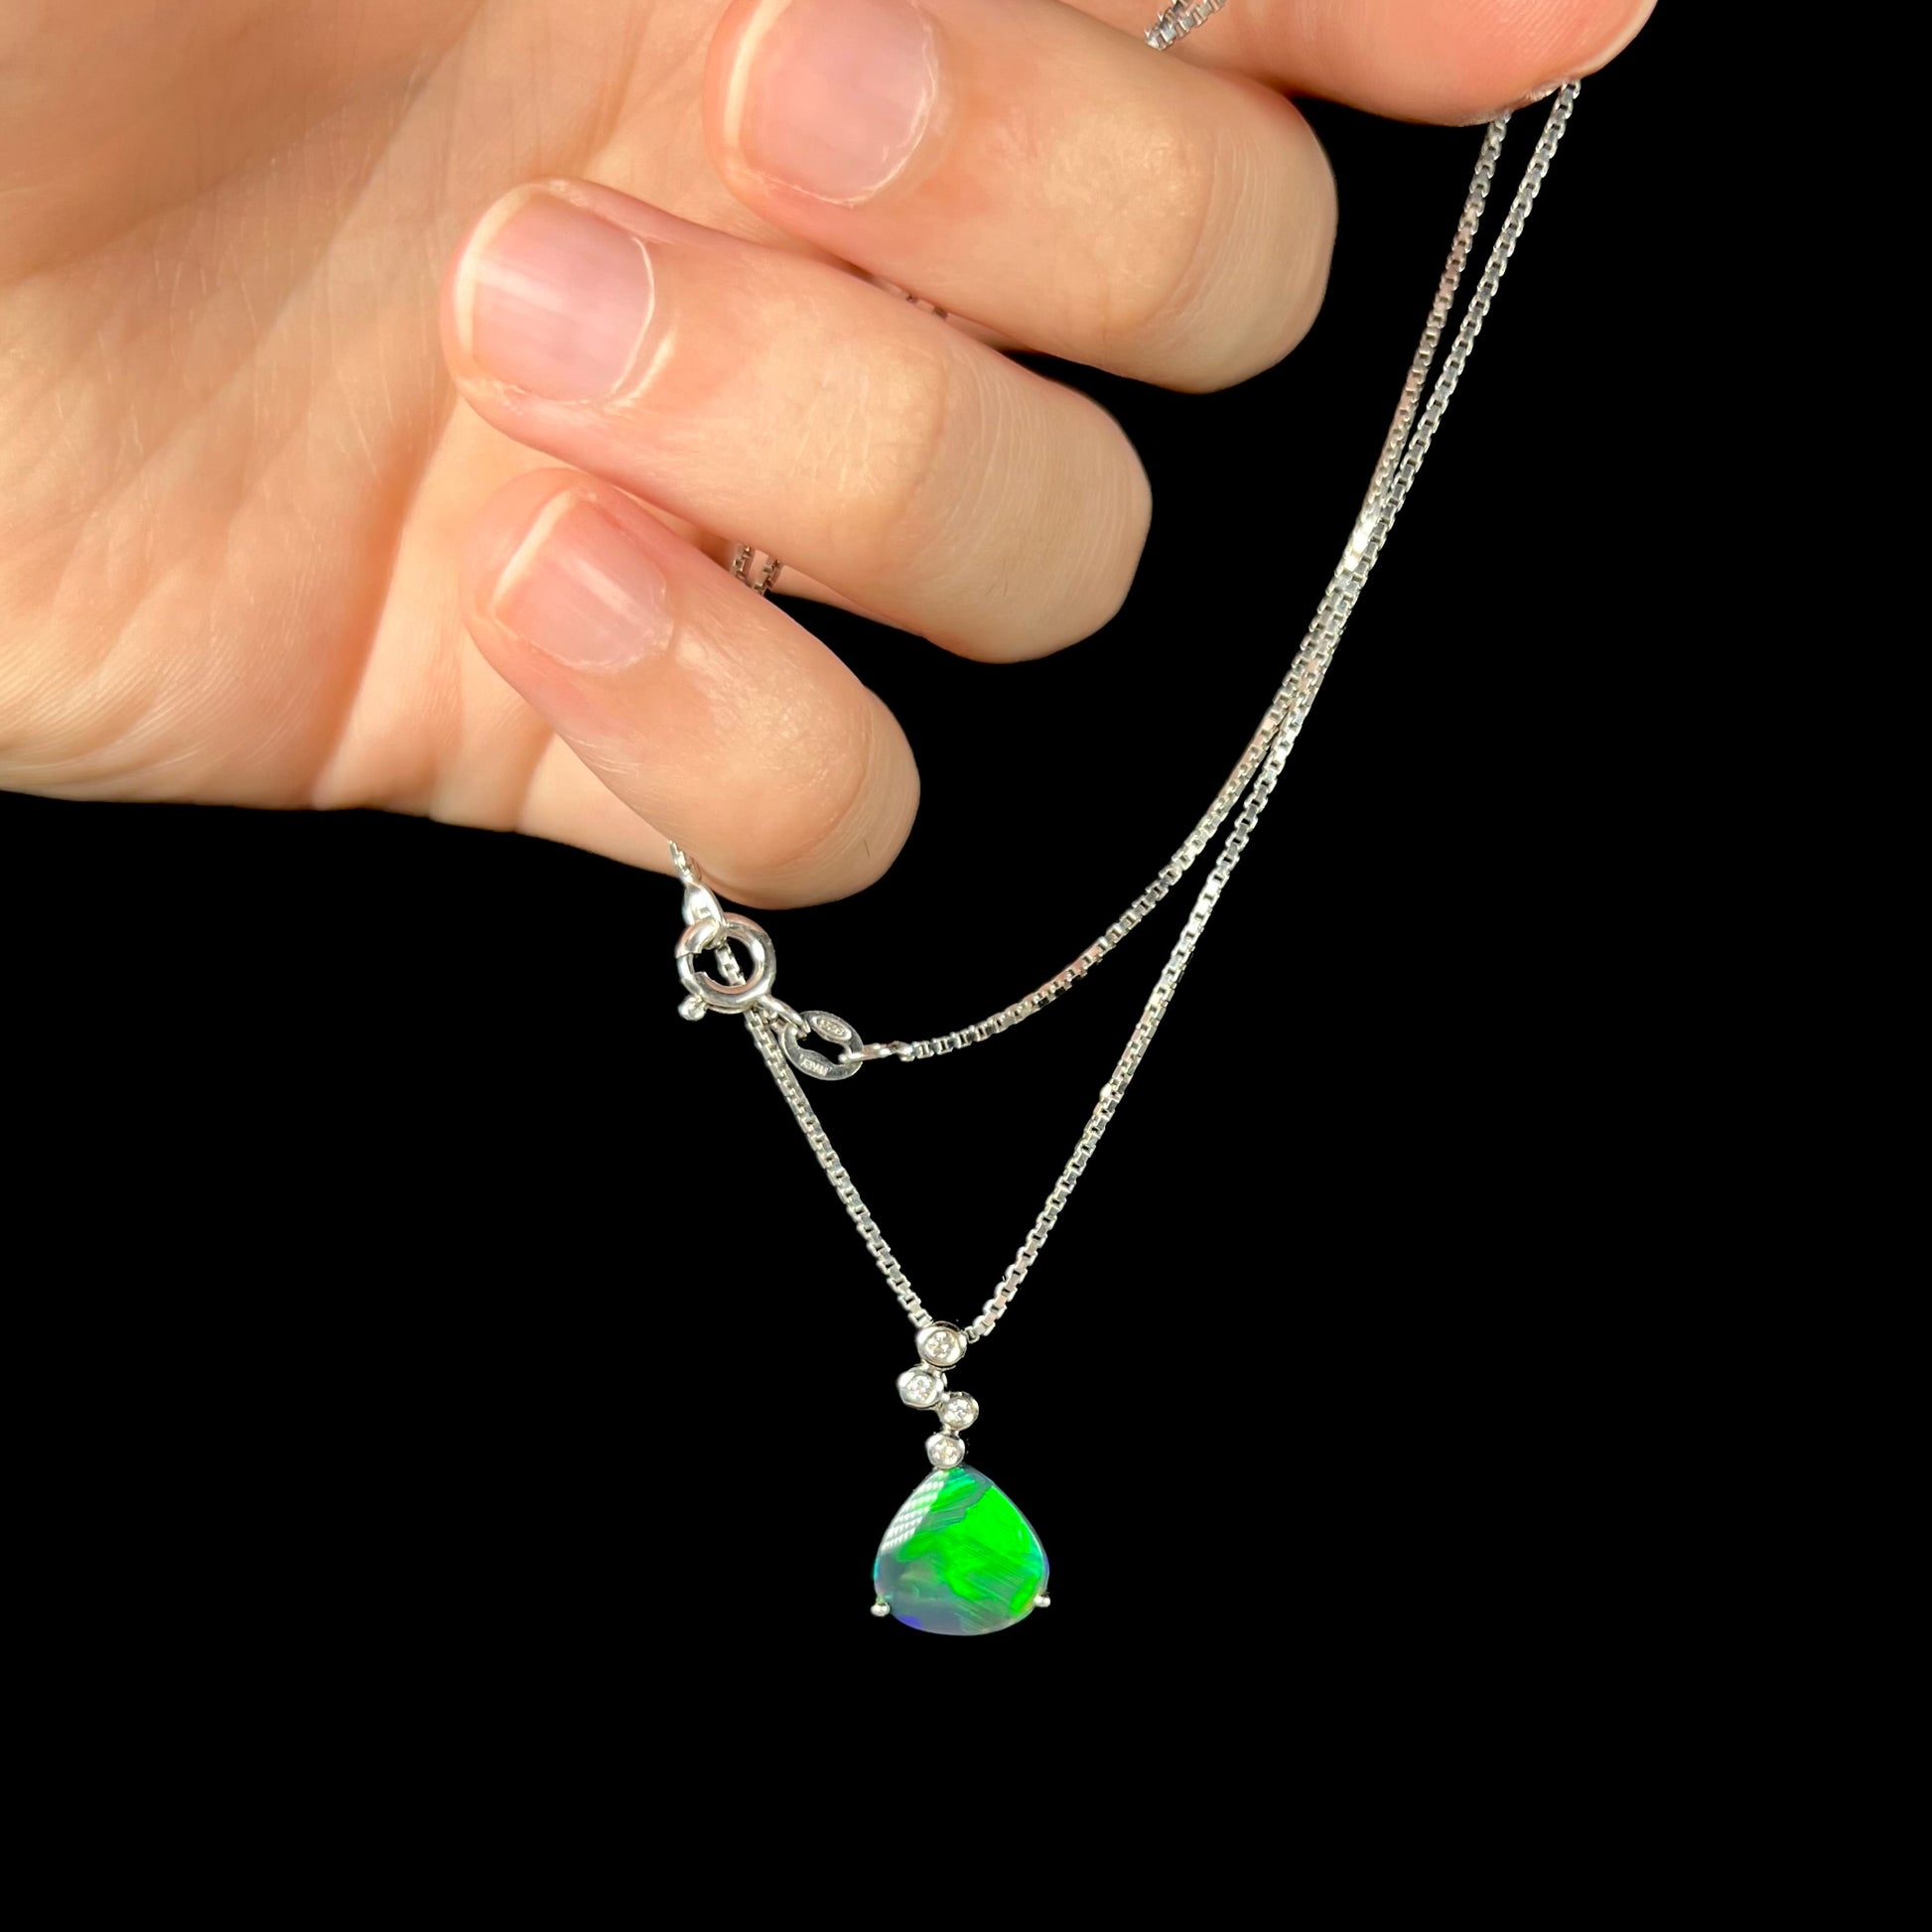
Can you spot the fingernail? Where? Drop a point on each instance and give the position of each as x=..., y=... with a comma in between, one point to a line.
x=582, y=591
x=833, y=96
x=553, y=300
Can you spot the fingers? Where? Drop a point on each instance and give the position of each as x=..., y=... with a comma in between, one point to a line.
x=787, y=403
x=1018, y=163
x=1453, y=61
x=702, y=707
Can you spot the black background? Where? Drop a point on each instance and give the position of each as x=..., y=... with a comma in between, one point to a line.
x=474, y=1314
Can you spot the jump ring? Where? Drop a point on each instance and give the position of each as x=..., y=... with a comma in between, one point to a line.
x=830, y=1027
x=1178, y=21
x=906, y=295
x=790, y=1019
x=703, y=934
x=757, y=569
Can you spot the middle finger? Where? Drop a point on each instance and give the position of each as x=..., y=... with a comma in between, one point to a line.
x=1018, y=163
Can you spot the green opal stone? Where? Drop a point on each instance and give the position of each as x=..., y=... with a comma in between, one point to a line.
x=959, y=1559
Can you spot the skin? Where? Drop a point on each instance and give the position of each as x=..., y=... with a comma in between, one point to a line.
x=261, y=494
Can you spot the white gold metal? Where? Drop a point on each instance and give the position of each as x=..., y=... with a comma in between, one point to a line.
x=711, y=935
x=1043, y=1602
x=1406, y=444
x=941, y=1345
x=755, y=568
x=893, y=1050
x=830, y=1027
x=701, y=906
x=1288, y=709
x=923, y=1387
x=917, y=301
x=827, y=1156
x=946, y=1451
x=1179, y=21
x=785, y=1019
x=879, y=1607
x=1249, y=786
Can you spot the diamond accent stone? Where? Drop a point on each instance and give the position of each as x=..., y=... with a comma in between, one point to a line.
x=959, y=1411
x=941, y=1345
x=945, y=1451
x=922, y=1387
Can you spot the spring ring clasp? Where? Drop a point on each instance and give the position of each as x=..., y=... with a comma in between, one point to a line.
x=709, y=928
x=711, y=932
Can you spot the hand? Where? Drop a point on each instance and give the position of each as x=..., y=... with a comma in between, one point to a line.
x=238, y=481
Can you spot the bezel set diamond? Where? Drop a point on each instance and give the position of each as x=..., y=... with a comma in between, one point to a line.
x=923, y=1386
x=941, y=1345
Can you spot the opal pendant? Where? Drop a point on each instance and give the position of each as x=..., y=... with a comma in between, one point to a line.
x=958, y=1559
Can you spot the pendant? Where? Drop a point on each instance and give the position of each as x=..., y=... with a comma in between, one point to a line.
x=958, y=1559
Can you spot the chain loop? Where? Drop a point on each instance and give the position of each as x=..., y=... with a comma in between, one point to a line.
x=1178, y=21
x=1249, y=786
x=788, y=1019
x=1289, y=705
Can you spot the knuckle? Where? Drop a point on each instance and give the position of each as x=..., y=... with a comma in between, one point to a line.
x=1234, y=231
x=806, y=781
x=882, y=421
x=1147, y=251
x=1039, y=548
x=1095, y=517
x=817, y=801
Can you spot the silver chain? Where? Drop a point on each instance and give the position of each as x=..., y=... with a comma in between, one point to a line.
x=779, y=1033
x=1291, y=702
x=1178, y=21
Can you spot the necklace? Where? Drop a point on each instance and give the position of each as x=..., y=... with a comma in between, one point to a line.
x=959, y=1557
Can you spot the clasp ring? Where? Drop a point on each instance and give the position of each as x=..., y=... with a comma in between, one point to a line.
x=829, y=1027
x=711, y=934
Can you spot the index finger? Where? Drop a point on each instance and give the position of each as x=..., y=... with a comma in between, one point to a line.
x=1452, y=61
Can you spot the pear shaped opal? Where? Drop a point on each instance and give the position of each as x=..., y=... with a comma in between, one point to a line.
x=958, y=1559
